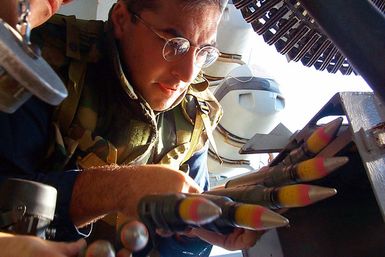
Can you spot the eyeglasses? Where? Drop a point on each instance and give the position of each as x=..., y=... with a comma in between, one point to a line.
x=175, y=48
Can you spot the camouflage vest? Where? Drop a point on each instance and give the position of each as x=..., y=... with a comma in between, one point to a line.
x=101, y=124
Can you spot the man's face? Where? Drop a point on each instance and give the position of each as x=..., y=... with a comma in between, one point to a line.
x=161, y=82
x=41, y=10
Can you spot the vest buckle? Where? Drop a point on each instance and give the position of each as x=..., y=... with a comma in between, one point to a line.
x=203, y=106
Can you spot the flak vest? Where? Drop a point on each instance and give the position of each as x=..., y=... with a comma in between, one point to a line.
x=104, y=121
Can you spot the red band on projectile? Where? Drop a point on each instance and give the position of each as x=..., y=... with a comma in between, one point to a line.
x=322, y=136
x=320, y=167
x=257, y=217
x=193, y=210
x=304, y=194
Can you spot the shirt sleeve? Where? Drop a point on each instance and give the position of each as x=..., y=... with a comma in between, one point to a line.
x=25, y=136
x=198, y=168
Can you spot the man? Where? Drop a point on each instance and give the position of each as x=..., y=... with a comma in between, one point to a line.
x=136, y=107
x=31, y=246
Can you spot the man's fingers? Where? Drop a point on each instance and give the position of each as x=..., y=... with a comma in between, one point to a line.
x=164, y=233
x=71, y=249
x=237, y=240
x=124, y=253
x=249, y=238
x=209, y=236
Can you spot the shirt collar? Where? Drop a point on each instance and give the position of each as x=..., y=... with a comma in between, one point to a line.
x=117, y=66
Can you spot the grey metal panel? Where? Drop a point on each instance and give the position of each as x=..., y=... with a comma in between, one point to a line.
x=275, y=141
x=341, y=225
x=364, y=112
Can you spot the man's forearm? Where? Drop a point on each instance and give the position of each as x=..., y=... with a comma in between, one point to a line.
x=99, y=191
x=96, y=192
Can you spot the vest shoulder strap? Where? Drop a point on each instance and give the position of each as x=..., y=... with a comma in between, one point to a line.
x=204, y=113
x=82, y=39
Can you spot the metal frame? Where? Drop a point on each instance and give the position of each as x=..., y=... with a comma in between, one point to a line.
x=365, y=129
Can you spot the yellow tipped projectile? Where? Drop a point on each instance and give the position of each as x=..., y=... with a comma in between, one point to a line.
x=280, y=175
x=322, y=136
x=302, y=195
x=198, y=210
x=256, y=217
x=296, y=195
x=175, y=212
x=318, y=167
x=317, y=141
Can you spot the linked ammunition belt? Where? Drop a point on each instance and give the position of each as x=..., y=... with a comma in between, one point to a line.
x=288, y=26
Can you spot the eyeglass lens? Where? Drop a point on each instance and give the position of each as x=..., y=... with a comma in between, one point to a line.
x=176, y=48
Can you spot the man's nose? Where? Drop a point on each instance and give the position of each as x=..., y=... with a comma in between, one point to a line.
x=185, y=69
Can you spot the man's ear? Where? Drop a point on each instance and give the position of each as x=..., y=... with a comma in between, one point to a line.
x=119, y=18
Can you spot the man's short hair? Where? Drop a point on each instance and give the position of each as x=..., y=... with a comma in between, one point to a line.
x=137, y=6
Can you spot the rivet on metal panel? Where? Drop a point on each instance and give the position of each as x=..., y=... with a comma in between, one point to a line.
x=366, y=140
x=378, y=132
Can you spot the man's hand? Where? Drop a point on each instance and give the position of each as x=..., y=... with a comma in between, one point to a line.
x=98, y=191
x=239, y=239
x=124, y=253
x=32, y=246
